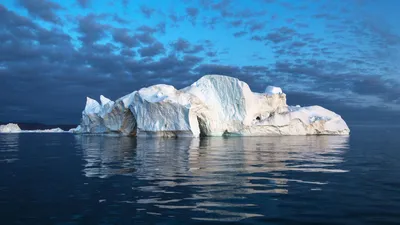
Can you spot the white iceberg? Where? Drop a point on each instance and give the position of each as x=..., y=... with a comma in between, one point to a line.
x=10, y=128
x=14, y=128
x=214, y=105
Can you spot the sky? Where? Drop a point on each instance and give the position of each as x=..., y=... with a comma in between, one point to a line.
x=343, y=55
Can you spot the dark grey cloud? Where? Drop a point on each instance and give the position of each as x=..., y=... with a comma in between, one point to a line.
x=281, y=34
x=236, y=23
x=247, y=13
x=298, y=44
x=83, y=3
x=277, y=36
x=256, y=38
x=192, y=14
x=90, y=29
x=146, y=29
x=240, y=33
x=120, y=20
x=145, y=38
x=388, y=90
x=147, y=11
x=211, y=54
x=175, y=19
x=128, y=52
x=210, y=22
x=122, y=35
x=183, y=45
x=381, y=30
x=161, y=27
x=125, y=3
x=223, y=7
x=326, y=16
x=301, y=25
x=256, y=26
x=152, y=50
x=43, y=9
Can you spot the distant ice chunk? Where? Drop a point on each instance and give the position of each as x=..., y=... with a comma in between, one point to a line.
x=10, y=128
x=53, y=130
x=14, y=128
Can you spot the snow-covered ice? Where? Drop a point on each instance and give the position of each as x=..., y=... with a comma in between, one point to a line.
x=215, y=105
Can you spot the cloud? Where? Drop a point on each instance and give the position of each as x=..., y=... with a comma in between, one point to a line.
x=175, y=19
x=120, y=20
x=125, y=3
x=43, y=9
x=281, y=34
x=247, y=13
x=240, y=34
x=210, y=22
x=147, y=11
x=121, y=35
x=152, y=50
x=223, y=7
x=161, y=27
x=83, y=3
x=183, y=45
x=192, y=14
x=298, y=44
x=386, y=89
x=90, y=29
x=325, y=16
x=236, y=23
x=255, y=26
x=145, y=38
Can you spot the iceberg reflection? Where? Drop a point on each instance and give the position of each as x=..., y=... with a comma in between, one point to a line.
x=9, y=144
x=106, y=155
x=216, y=173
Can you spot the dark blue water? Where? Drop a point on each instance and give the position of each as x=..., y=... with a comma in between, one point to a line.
x=66, y=179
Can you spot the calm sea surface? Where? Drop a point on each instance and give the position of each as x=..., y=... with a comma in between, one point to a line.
x=68, y=179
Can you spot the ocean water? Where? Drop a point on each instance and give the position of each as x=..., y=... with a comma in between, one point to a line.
x=69, y=179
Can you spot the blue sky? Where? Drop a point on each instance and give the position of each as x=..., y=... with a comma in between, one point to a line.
x=344, y=55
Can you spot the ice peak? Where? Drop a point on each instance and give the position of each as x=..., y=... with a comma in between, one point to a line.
x=92, y=106
x=273, y=90
x=104, y=100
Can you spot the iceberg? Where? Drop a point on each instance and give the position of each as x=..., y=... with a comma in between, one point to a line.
x=14, y=128
x=10, y=128
x=215, y=105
